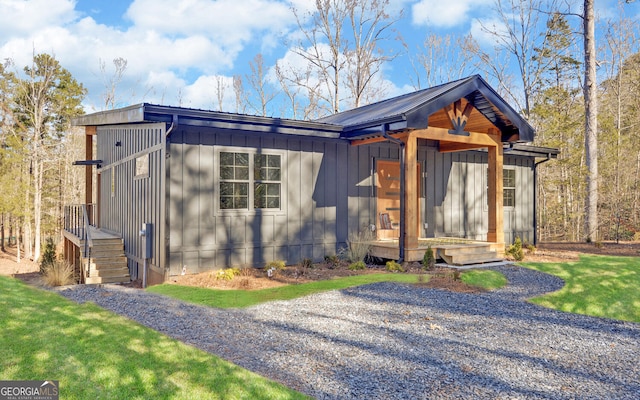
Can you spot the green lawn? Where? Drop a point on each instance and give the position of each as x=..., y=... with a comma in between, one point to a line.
x=96, y=354
x=485, y=278
x=601, y=286
x=245, y=298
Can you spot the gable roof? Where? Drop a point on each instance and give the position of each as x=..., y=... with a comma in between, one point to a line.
x=412, y=111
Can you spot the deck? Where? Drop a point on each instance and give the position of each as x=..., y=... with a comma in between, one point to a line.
x=454, y=251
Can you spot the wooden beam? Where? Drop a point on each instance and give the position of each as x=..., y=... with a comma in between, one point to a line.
x=411, y=194
x=443, y=135
x=446, y=147
x=495, y=233
x=89, y=131
x=378, y=139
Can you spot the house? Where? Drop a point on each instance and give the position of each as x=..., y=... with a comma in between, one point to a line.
x=181, y=190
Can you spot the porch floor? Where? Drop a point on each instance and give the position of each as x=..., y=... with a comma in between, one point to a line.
x=454, y=251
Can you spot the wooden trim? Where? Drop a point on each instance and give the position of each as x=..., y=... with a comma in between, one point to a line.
x=90, y=131
x=495, y=191
x=442, y=135
x=411, y=195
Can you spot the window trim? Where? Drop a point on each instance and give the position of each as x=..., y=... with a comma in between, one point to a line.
x=251, y=210
x=514, y=188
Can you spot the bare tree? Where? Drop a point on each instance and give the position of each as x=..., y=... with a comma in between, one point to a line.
x=221, y=85
x=435, y=63
x=260, y=88
x=340, y=61
x=591, y=120
x=111, y=81
x=238, y=90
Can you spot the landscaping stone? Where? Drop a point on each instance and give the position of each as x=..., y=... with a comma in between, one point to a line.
x=395, y=341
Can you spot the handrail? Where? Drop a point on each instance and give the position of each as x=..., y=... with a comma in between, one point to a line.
x=88, y=242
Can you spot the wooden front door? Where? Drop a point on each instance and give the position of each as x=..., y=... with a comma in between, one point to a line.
x=388, y=199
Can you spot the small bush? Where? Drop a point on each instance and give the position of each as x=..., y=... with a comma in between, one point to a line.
x=357, y=266
x=307, y=263
x=332, y=261
x=227, y=274
x=393, y=266
x=48, y=257
x=277, y=265
x=359, y=245
x=429, y=259
x=531, y=248
x=58, y=273
x=515, y=250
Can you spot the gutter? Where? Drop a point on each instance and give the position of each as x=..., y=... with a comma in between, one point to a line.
x=535, y=198
x=403, y=223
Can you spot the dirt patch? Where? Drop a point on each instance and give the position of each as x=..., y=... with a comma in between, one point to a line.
x=570, y=251
x=25, y=270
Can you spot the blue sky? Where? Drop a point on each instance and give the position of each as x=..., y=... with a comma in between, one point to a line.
x=176, y=50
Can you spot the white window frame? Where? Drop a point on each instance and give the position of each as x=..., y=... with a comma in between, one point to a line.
x=252, y=152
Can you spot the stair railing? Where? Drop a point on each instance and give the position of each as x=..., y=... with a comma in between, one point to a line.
x=88, y=242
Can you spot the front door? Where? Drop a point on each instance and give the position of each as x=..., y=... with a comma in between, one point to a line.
x=388, y=199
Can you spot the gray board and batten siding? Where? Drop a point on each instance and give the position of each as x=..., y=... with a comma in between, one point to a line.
x=130, y=194
x=327, y=192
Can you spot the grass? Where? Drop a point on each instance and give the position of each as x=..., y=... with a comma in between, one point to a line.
x=96, y=354
x=486, y=279
x=245, y=298
x=601, y=286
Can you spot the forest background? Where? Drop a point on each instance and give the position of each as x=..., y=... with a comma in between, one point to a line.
x=540, y=62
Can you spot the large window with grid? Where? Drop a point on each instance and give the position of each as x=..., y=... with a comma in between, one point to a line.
x=250, y=181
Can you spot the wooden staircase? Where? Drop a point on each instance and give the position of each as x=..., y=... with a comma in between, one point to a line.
x=476, y=253
x=106, y=262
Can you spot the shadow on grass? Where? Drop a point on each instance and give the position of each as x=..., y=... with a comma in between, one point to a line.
x=601, y=286
x=99, y=355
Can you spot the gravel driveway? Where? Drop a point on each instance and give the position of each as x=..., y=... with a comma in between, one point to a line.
x=395, y=341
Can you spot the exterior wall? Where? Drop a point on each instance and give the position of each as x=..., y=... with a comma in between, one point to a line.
x=126, y=201
x=454, y=198
x=326, y=192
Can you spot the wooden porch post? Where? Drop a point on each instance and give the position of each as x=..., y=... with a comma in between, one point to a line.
x=495, y=233
x=411, y=191
x=89, y=131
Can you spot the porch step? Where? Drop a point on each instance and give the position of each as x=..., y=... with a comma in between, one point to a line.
x=468, y=254
x=107, y=262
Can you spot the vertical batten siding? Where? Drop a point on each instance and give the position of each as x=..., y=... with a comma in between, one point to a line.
x=313, y=201
x=136, y=200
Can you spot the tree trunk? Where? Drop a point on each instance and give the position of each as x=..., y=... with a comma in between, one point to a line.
x=591, y=122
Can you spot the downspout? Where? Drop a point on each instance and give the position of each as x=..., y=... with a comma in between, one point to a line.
x=535, y=198
x=399, y=142
x=163, y=229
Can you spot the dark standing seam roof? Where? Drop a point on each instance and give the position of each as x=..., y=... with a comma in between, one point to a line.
x=412, y=110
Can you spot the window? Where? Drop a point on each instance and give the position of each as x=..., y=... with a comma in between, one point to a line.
x=142, y=166
x=250, y=181
x=509, y=187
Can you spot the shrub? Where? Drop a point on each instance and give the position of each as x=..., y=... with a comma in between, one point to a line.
x=515, y=250
x=359, y=245
x=332, y=261
x=358, y=265
x=48, y=257
x=393, y=266
x=58, y=273
x=277, y=265
x=227, y=274
x=306, y=263
x=429, y=259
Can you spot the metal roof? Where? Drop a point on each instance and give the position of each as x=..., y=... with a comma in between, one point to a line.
x=408, y=111
x=412, y=110
x=145, y=113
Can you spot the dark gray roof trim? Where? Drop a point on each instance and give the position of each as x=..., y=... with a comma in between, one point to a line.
x=145, y=113
x=533, y=151
x=411, y=111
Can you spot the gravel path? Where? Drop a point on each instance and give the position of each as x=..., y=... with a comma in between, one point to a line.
x=394, y=341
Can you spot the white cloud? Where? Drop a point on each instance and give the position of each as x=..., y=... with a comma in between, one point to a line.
x=444, y=14
x=20, y=17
